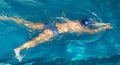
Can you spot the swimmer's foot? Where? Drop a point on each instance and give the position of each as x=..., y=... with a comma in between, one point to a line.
x=17, y=54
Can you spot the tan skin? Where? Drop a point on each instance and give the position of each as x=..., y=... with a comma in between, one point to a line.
x=68, y=26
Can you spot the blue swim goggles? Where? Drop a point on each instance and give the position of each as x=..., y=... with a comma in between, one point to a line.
x=86, y=22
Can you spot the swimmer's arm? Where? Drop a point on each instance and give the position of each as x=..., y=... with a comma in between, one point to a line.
x=98, y=29
x=23, y=22
x=100, y=24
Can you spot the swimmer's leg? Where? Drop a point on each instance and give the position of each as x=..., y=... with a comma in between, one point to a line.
x=23, y=22
x=45, y=36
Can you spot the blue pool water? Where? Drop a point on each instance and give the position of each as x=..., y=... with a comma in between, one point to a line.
x=69, y=49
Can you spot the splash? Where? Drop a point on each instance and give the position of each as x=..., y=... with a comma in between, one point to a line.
x=18, y=56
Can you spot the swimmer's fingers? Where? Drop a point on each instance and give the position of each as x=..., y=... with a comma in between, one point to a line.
x=108, y=26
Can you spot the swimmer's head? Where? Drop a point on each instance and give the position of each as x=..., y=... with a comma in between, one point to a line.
x=86, y=22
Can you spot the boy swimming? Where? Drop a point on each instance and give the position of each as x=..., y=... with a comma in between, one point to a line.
x=54, y=29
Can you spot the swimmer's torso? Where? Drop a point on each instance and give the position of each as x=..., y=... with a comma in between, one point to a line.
x=69, y=27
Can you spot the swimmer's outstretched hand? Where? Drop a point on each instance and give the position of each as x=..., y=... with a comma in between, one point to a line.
x=108, y=26
x=100, y=24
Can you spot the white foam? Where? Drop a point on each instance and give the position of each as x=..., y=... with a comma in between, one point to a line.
x=64, y=19
x=96, y=16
